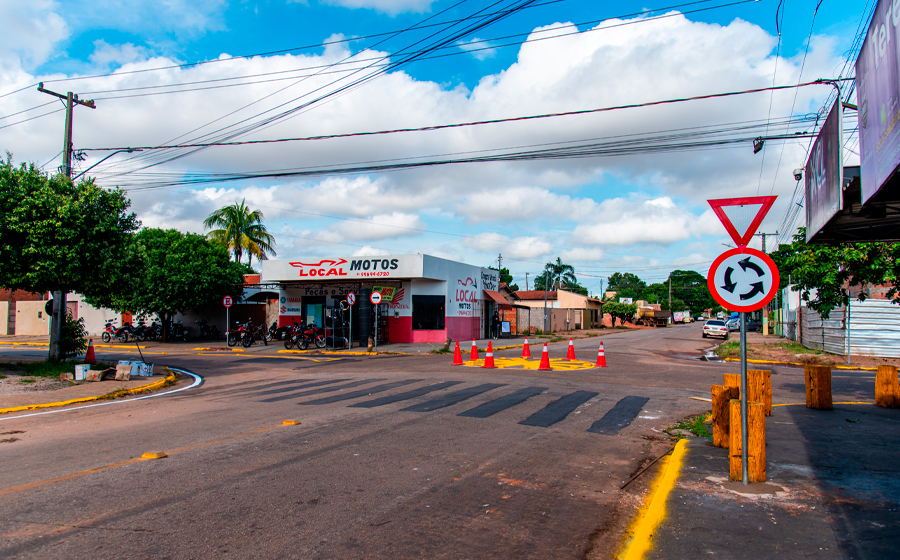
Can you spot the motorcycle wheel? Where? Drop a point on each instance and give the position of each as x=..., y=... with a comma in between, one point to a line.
x=231, y=339
x=320, y=342
x=288, y=343
x=266, y=338
x=269, y=336
x=246, y=341
x=105, y=337
x=123, y=337
x=302, y=344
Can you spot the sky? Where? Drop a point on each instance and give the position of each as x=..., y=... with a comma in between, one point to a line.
x=614, y=190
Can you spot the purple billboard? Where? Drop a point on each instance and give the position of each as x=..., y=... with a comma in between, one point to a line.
x=824, y=174
x=878, y=95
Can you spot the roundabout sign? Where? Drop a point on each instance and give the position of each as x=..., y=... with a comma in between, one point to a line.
x=743, y=279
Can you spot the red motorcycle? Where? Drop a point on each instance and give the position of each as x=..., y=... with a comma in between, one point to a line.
x=110, y=331
x=233, y=336
x=301, y=337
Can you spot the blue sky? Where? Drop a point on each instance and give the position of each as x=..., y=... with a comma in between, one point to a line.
x=638, y=212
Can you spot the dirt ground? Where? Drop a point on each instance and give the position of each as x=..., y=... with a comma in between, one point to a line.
x=778, y=349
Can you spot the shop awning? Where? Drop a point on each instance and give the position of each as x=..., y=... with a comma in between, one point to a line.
x=262, y=296
x=494, y=295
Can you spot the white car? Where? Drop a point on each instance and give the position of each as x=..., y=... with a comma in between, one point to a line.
x=715, y=327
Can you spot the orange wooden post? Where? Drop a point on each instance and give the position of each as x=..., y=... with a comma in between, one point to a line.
x=733, y=380
x=721, y=415
x=818, y=387
x=756, y=441
x=759, y=387
x=887, y=391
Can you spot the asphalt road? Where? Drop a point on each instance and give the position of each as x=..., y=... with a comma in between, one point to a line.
x=394, y=456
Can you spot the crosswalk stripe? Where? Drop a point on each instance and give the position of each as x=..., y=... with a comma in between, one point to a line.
x=363, y=393
x=283, y=397
x=453, y=398
x=619, y=416
x=558, y=410
x=407, y=395
x=500, y=404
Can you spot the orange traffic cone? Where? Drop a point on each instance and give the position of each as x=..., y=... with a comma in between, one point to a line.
x=545, y=360
x=457, y=356
x=601, y=356
x=474, y=355
x=526, y=351
x=89, y=357
x=489, y=357
x=570, y=355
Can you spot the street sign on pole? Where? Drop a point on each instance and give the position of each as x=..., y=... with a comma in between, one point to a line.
x=743, y=279
x=227, y=301
x=376, y=298
x=351, y=298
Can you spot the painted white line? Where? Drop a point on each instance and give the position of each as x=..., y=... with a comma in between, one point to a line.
x=197, y=381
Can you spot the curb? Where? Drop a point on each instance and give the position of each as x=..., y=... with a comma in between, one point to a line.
x=852, y=368
x=652, y=512
x=168, y=380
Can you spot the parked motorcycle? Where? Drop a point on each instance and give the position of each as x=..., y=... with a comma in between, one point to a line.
x=251, y=333
x=279, y=333
x=233, y=336
x=109, y=331
x=177, y=331
x=207, y=331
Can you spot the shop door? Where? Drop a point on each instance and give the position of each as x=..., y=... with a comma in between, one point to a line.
x=314, y=310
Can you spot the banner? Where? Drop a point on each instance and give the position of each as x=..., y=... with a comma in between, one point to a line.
x=824, y=174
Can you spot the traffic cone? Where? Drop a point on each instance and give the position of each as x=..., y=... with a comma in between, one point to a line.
x=601, y=356
x=570, y=355
x=89, y=357
x=545, y=360
x=489, y=357
x=526, y=351
x=474, y=355
x=457, y=356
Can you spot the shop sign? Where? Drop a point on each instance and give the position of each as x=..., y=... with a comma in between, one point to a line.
x=402, y=266
x=387, y=293
x=489, y=281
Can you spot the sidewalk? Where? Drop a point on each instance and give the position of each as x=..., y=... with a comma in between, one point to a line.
x=833, y=491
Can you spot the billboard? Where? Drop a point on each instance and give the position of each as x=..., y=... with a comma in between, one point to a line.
x=878, y=96
x=824, y=174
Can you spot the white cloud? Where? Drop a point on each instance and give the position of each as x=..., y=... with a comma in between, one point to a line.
x=478, y=48
x=516, y=247
x=523, y=203
x=105, y=54
x=391, y=7
x=31, y=31
x=384, y=226
x=631, y=221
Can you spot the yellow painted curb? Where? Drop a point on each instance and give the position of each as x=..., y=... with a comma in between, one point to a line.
x=854, y=368
x=154, y=455
x=804, y=404
x=26, y=343
x=341, y=353
x=291, y=423
x=118, y=346
x=525, y=363
x=654, y=509
x=135, y=390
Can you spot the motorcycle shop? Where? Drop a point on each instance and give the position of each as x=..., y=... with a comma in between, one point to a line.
x=423, y=298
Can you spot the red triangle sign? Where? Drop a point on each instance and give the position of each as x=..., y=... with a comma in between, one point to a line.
x=744, y=213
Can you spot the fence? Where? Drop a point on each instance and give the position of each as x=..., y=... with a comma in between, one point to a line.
x=874, y=329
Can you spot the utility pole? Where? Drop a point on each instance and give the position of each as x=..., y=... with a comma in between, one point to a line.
x=499, y=267
x=670, y=292
x=763, y=235
x=59, y=297
x=526, y=281
x=546, y=280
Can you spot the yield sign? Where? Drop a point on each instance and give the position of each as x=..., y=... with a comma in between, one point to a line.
x=743, y=279
x=742, y=214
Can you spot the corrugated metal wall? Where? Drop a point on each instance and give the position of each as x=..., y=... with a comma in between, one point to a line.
x=874, y=329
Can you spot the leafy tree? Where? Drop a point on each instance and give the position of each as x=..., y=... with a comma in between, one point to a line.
x=626, y=284
x=506, y=278
x=621, y=311
x=556, y=274
x=689, y=291
x=828, y=270
x=241, y=231
x=174, y=272
x=74, y=337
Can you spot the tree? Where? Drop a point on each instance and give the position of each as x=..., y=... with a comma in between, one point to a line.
x=626, y=285
x=174, y=272
x=823, y=273
x=621, y=311
x=56, y=235
x=559, y=273
x=241, y=231
x=689, y=291
x=506, y=278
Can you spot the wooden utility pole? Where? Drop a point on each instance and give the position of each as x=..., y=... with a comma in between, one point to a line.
x=59, y=307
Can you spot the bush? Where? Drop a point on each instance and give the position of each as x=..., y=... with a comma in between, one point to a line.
x=74, y=338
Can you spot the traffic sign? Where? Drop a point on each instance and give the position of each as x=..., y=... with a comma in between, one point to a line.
x=351, y=298
x=742, y=214
x=743, y=279
x=227, y=301
x=376, y=298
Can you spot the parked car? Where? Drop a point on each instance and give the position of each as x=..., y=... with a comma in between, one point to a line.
x=715, y=328
x=754, y=325
x=733, y=324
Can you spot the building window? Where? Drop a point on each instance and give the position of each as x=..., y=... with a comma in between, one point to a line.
x=428, y=313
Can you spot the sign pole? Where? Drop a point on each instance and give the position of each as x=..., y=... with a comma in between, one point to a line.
x=227, y=323
x=376, y=328
x=350, y=331
x=745, y=473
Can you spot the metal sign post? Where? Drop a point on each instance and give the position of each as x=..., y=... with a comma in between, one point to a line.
x=375, y=298
x=227, y=302
x=351, y=300
x=745, y=473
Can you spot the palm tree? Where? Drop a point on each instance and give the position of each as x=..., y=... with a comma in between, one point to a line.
x=240, y=230
x=554, y=272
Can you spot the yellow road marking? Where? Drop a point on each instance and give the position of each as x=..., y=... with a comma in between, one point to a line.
x=804, y=404
x=525, y=363
x=654, y=509
x=854, y=368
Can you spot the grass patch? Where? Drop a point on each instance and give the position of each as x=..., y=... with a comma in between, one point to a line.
x=2, y=376
x=28, y=381
x=440, y=351
x=557, y=339
x=729, y=349
x=696, y=425
x=591, y=334
x=47, y=368
x=794, y=348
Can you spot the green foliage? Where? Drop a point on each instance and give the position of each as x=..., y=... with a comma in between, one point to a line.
x=168, y=271
x=697, y=425
x=57, y=235
x=621, y=311
x=729, y=349
x=688, y=287
x=241, y=231
x=74, y=338
x=626, y=285
x=50, y=368
x=826, y=269
x=558, y=274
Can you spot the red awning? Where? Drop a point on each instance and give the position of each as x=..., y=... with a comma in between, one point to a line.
x=499, y=299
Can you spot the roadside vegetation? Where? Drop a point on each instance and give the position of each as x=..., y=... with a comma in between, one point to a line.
x=44, y=369
x=697, y=425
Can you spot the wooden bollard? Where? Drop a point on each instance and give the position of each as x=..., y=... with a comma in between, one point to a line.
x=733, y=380
x=721, y=415
x=818, y=387
x=887, y=391
x=759, y=387
x=756, y=441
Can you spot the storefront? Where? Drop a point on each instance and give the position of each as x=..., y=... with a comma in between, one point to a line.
x=433, y=298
